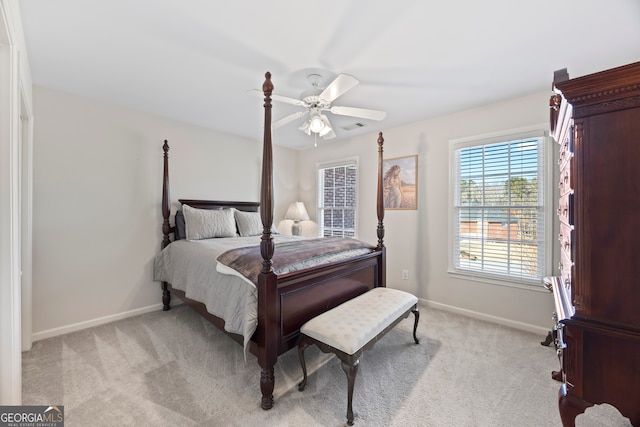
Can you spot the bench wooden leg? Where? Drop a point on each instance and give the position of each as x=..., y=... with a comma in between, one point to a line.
x=301, y=348
x=416, y=314
x=351, y=370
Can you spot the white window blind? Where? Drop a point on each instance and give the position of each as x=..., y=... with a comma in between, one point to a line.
x=499, y=209
x=337, y=199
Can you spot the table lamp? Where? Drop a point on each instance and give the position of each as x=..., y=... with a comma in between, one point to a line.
x=297, y=213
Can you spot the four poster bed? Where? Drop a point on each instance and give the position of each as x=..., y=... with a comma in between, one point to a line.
x=275, y=301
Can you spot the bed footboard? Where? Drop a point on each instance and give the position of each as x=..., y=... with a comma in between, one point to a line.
x=303, y=297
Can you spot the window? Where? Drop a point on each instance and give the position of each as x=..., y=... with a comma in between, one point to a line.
x=499, y=222
x=337, y=198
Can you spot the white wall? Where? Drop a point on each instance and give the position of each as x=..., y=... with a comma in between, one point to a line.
x=97, y=193
x=418, y=240
x=15, y=226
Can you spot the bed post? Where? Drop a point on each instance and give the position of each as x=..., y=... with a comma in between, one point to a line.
x=268, y=304
x=166, y=227
x=382, y=267
x=166, y=203
x=380, y=194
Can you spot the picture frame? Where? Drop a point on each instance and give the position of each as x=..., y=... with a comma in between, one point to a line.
x=400, y=181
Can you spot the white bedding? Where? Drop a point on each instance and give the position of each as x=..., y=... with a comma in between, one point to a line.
x=190, y=266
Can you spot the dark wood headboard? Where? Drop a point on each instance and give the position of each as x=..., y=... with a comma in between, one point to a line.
x=178, y=228
x=217, y=204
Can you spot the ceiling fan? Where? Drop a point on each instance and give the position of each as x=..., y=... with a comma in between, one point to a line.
x=316, y=101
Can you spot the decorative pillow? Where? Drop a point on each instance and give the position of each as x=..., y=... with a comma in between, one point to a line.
x=250, y=224
x=180, y=232
x=205, y=223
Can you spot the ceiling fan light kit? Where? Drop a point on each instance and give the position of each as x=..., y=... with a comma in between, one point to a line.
x=316, y=101
x=316, y=125
x=326, y=128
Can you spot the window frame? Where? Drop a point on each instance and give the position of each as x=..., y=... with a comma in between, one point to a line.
x=537, y=131
x=348, y=161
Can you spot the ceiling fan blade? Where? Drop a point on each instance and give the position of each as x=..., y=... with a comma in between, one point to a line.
x=359, y=112
x=288, y=100
x=338, y=86
x=287, y=119
x=279, y=98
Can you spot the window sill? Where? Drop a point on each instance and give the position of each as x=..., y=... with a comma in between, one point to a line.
x=529, y=285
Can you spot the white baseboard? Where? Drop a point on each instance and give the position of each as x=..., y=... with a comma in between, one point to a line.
x=489, y=318
x=93, y=322
x=113, y=317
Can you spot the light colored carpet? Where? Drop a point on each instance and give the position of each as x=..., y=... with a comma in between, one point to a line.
x=175, y=369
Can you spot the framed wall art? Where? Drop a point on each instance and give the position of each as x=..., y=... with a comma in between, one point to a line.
x=400, y=182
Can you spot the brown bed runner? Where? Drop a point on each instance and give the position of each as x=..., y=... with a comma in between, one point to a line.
x=290, y=256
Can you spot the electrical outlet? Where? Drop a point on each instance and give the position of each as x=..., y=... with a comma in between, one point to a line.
x=405, y=274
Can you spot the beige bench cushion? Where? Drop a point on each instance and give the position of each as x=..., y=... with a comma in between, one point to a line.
x=351, y=325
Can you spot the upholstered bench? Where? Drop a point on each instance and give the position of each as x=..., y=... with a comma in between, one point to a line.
x=355, y=326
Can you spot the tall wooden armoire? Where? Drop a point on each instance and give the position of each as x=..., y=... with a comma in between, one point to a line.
x=596, y=121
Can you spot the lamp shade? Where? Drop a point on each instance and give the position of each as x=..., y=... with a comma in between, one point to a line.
x=297, y=212
x=326, y=128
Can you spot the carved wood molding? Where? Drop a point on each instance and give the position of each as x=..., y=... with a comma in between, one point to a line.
x=603, y=107
x=611, y=90
x=618, y=91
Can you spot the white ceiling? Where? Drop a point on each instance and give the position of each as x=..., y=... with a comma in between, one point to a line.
x=195, y=60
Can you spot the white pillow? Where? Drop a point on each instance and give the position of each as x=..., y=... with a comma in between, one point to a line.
x=250, y=224
x=206, y=224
